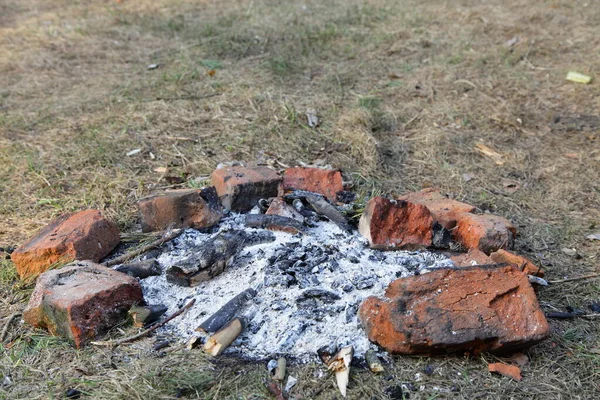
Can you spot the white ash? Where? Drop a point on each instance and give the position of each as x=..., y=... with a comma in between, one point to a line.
x=309, y=289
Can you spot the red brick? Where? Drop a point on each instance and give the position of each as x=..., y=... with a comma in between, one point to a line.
x=240, y=188
x=471, y=258
x=485, y=232
x=524, y=264
x=84, y=235
x=327, y=182
x=187, y=208
x=81, y=301
x=444, y=210
x=389, y=224
x=463, y=310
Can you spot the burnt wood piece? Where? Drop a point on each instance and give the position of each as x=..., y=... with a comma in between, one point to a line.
x=373, y=362
x=169, y=235
x=274, y=222
x=140, y=269
x=161, y=345
x=227, y=312
x=212, y=257
x=144, y=315
x=217, y=343
x=322, y=206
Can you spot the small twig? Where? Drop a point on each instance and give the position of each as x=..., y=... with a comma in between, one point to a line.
x=115, y=343
x=568, y=315
x=5, y=329
x=192, y=97
x=128, y=256
x=578, y=278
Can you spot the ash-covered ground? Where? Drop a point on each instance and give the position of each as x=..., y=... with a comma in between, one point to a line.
x=309, y=288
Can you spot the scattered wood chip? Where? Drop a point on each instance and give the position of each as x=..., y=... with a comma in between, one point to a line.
x=572, y=156
x=578, y=77
x=373, y=362
x=488, y=152
x=340, y=365
x=280, y=369
x=160, y=170
x=511, y=371
x=312, y=118
x=291, y=382
x=593, y=236
x=133, y=152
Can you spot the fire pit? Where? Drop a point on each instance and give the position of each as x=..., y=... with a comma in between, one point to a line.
x=308, y=288
x=262, y=266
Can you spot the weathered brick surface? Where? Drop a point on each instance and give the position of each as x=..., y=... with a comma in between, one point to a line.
x=485, y=232
x=444, y=210
x=81, y=301
x=84, y=235
x=327, y=182
x=473, y=310
x=524, y=264
x=471, y=258
x=389, y=224
x=240, y=188
x=187, y=208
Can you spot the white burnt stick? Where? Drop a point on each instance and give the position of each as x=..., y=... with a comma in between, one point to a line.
x=212, y=257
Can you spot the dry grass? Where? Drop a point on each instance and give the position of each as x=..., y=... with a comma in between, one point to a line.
x=405, y=90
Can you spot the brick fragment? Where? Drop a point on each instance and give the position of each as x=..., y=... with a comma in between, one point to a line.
x=327, y=182
x=445, y=211
x=240, y=188
x=390, y=224
x=485, y=232
x=464, y=310
x=81, y=301
x=84, y=235
x=186, y=208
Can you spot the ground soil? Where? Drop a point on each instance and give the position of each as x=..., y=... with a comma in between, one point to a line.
x=469, y=96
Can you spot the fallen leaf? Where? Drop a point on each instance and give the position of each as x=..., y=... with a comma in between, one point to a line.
x=487, y=151
x=511, y=371
x=593, y=236
x=211, y=72
x=510, y=185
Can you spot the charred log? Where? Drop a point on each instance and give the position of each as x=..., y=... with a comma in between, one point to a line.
x=140, y=269
x=212, y=257
x=227, y=312
x=274, y=223
x=320, y=204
